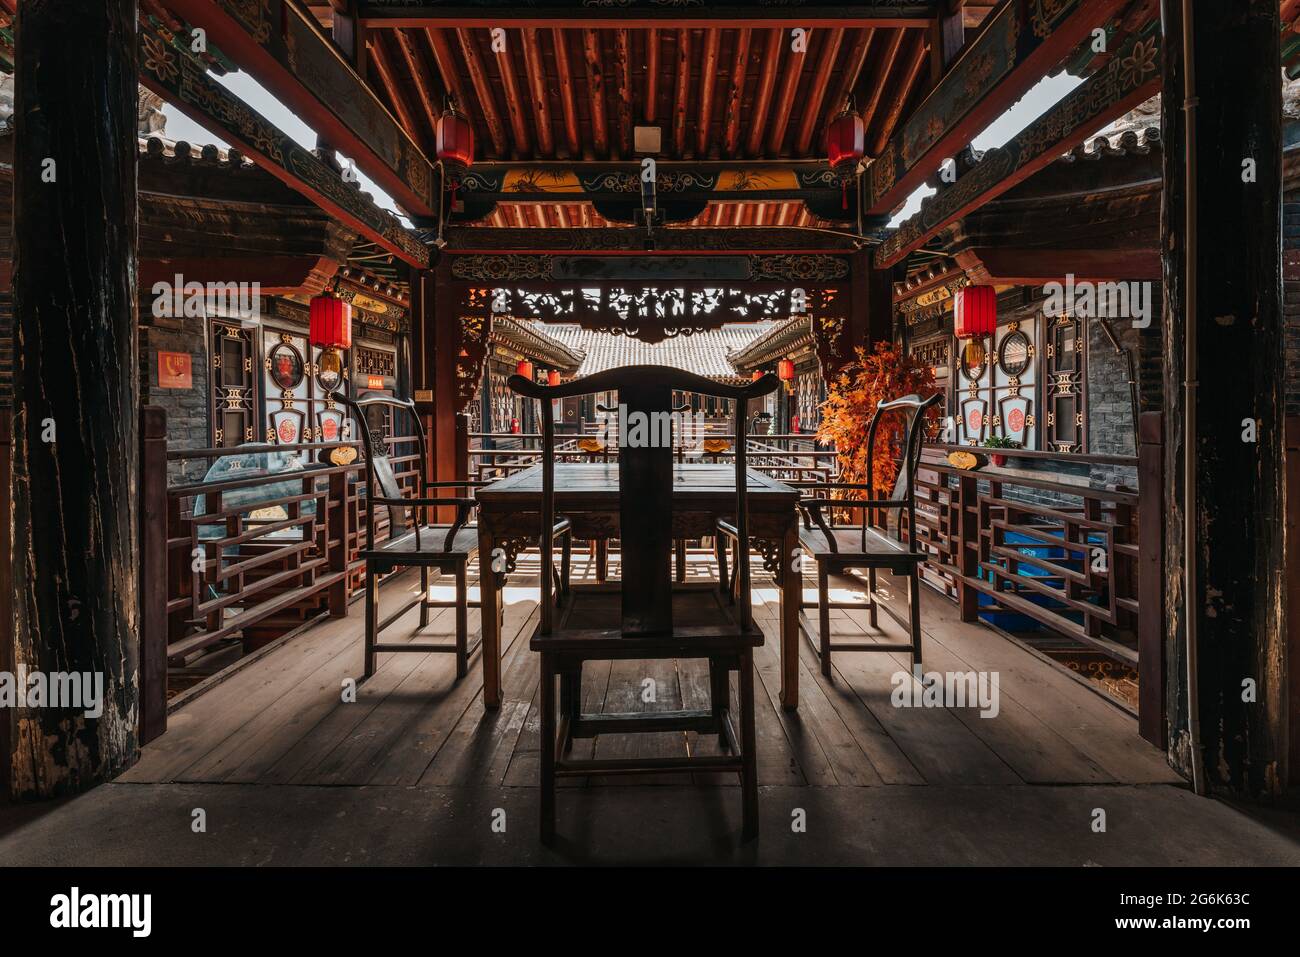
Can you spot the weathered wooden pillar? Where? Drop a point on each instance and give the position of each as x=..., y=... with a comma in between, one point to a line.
x=76, y=385
x=1222, y=211
x=872, y=313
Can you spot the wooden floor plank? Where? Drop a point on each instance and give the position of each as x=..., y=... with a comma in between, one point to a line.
x=207, y=722
x=1029, y=746
x=1096, y=728
x=281, y=719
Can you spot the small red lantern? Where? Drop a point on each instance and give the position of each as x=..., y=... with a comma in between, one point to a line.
x=553, y=378
x=785, y=370
x=525, y=369
x=975, y=312
x=455, y=141
x=846, y=137
x=331, y=322
x=757, y=374
x=330, y=328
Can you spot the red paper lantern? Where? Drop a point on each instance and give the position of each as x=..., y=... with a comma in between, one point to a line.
x=785, y=370
x=757, y=375
x=525, y=369
x=455, y=140
x=975, y=312
x=846, y=137
x=553, y=378
x=331, y=322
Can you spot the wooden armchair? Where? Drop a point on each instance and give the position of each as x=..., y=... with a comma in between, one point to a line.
x=645, y=615
x=837, y=548
x=412, y=539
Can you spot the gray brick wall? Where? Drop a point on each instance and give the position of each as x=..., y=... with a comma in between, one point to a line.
x=1111, y=429
x=187, y=409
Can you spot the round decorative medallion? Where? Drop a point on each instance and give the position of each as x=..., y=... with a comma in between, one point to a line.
x=286, y=366
x=1013, y=354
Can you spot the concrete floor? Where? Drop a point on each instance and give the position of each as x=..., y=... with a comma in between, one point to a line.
x=134, y=824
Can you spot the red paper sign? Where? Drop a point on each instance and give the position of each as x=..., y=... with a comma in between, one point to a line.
x=1016, y=420
x=330, y=430
x=175, y=371
x=287, y=431
x=975, y=420
x=374, y=382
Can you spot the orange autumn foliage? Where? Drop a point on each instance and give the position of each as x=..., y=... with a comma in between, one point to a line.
x=873, y=377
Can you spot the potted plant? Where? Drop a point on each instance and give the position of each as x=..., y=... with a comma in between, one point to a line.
x=1000, y=442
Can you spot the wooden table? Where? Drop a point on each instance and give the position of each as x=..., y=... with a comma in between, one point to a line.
x=509, y=520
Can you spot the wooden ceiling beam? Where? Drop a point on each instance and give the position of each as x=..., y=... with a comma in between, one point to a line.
x=539, y=97
x=651, y=75
x=568, y=105
x=446, y=63
x=681, y=98
x=379, y=59
x=857, y=58
x=736, y=93
x=812, y=102
x=708, y=74
x=623, y=81
x=523, y=144
x=596, y=92
x=785, y=99
x=717, y=14
x=880, y=77
x=907, y=80
x=428, y=97
x=763, y=96
x=486, y=103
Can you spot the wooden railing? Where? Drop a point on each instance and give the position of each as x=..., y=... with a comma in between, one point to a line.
x=252, y=555
x=790, y=458
x=1008, y=543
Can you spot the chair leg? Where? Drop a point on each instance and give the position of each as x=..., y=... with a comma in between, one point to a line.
x=424, y=595
x=571, y=701
x=602, y=560
x=871, y=595
x=736, y=555
x=680, y=545
x=914, y=613
x=372, y=625
x=720, y=550
x=462, y=622
x=824, y=616
x=720, y=697
x=546, y=799
x=749, y=755
x=566, y=562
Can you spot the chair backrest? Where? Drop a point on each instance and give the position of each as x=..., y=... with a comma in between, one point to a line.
x=645, y=471
x=381, y=479
x=912, y=408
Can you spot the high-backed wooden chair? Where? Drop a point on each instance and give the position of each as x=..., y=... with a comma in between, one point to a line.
x=838, y=548
x=412, y=539
x=644, y=615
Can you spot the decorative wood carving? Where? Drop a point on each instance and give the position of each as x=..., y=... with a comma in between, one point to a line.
x=182, y=81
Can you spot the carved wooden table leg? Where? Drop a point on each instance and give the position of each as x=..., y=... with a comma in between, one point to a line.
x=791, y=578
x=490, y=613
